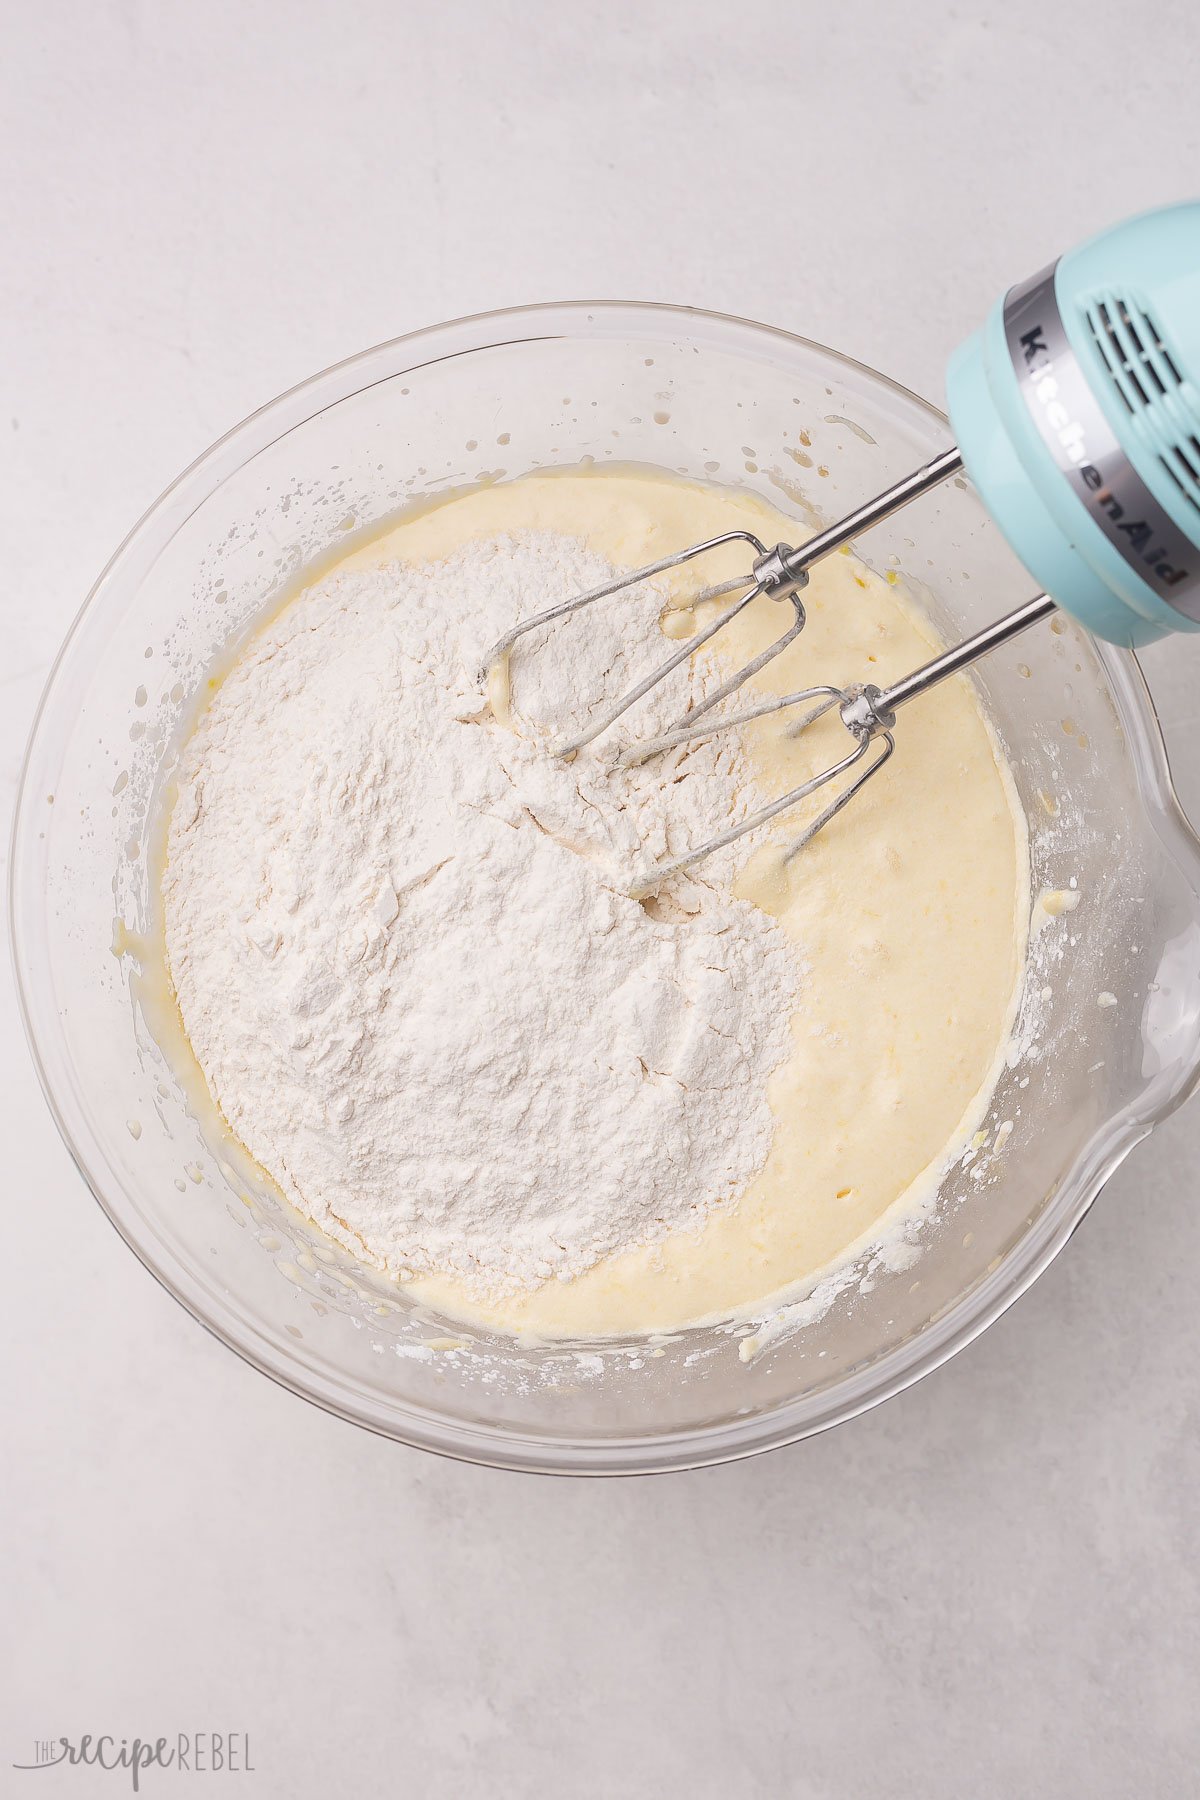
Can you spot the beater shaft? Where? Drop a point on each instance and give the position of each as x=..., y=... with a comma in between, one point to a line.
x=867, y=712
x=796, y=563
x=969, y=651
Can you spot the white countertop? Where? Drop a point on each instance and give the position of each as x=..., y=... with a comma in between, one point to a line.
x=987, y=1587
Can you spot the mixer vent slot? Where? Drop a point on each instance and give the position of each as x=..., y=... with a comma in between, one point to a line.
x=1148, y=381
x=1180, y=483
x=1131, y=344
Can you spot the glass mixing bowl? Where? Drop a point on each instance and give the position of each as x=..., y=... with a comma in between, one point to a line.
x=1109, y=1040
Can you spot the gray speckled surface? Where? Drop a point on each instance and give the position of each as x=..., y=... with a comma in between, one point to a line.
x=988, y=1586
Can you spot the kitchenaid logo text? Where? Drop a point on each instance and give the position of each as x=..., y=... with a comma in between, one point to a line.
x=1138, y=534
x=200, y=1753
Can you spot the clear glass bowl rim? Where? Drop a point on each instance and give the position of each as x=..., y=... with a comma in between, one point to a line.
x=497, y=1446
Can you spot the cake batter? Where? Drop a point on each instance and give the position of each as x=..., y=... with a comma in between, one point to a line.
x=908, y=916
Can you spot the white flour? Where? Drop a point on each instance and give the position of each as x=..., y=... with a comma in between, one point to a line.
x=402, y=951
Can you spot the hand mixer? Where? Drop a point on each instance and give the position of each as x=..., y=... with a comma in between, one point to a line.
x=1076, y=410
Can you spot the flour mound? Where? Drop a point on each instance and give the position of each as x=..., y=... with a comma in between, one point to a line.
x=402, y=946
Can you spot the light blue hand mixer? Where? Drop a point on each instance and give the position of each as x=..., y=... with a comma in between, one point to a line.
x=1077, y=413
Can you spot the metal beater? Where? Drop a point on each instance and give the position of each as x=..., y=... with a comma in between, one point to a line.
x=1077, y=413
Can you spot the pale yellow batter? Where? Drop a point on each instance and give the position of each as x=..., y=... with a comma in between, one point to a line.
x=910, y=912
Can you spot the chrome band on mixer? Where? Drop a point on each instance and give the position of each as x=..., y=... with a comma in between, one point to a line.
x=1085, y=448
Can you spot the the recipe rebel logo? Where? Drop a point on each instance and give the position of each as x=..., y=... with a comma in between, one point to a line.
x=195, y=1753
